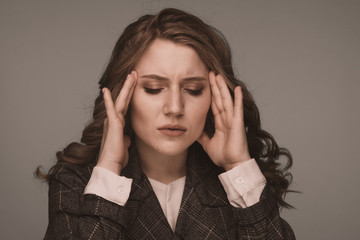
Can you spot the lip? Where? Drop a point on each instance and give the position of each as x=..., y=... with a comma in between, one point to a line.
x=172, y=130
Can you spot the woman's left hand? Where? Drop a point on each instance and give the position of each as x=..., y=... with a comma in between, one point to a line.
x=228, y=147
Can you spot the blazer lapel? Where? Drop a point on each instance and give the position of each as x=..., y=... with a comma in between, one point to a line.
x=146, y=219
x=203, y=202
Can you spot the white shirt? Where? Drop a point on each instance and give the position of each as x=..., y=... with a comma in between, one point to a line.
x=243, y=186
x=169, y=196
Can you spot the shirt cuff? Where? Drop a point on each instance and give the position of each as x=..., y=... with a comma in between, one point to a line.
x=108, y=185
x=243, y=184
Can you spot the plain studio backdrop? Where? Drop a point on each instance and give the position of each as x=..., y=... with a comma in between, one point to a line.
x=300, y=59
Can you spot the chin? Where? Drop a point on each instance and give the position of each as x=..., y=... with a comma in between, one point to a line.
x=172, y=149
x=164, y=147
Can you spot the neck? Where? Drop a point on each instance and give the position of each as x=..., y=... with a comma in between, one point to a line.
x=160, y=167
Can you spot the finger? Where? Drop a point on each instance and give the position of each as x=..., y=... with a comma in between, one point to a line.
x=129, y=97
x=203, y=140
x=121, y=103
x=121, y=100
x=238, y=104
x=217, y=116
x=225, y=96
x=216, y=92
x=214, y=108
x=127, y=141
x=104, y=135
x=109, y=104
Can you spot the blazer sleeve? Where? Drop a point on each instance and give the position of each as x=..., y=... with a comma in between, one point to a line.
x=262, y=220
x=75, y=215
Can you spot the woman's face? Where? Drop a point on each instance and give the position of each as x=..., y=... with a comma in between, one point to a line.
x=171, y=99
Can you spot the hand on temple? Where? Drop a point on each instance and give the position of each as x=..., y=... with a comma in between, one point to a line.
x=228, y=147
x=114, y=144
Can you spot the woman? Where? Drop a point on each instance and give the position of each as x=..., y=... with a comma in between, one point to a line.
x=175, y=149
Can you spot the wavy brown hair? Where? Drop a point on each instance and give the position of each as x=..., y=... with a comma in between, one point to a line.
x=213, y=49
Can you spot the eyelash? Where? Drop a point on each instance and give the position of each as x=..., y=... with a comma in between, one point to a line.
x=153, y=90
x=192, y=92
x=196, y=92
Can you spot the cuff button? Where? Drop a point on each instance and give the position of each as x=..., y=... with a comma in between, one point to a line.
x=239, y=180
x=120, y=189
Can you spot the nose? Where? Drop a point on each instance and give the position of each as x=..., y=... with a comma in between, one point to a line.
x=174, y=104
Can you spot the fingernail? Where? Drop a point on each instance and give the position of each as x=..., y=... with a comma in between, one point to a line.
x=132, y=74
x=103, y=90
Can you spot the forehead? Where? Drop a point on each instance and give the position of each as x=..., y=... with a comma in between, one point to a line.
x=168, y=58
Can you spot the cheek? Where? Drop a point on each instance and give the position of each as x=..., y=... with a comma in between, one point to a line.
x=200, y=110
x=143, y=110
x=137, y=109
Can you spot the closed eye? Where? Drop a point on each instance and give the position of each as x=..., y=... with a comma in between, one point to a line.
x=152, y=90
x=195, y=92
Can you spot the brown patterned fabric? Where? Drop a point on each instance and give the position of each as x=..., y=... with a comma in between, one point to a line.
x=205, y=211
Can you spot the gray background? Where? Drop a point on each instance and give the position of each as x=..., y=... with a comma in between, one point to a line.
x=300, y=59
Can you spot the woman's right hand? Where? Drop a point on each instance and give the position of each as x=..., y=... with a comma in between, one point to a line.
x=114, y=144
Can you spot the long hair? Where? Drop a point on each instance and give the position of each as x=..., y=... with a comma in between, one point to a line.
x=213, y=49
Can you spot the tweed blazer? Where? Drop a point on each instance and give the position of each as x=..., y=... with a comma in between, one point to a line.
x=205, y=211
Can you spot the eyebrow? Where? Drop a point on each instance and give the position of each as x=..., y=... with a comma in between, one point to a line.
x=188, y=79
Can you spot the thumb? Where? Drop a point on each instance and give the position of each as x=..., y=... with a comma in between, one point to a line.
x=203, y=140
x=127, y=141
